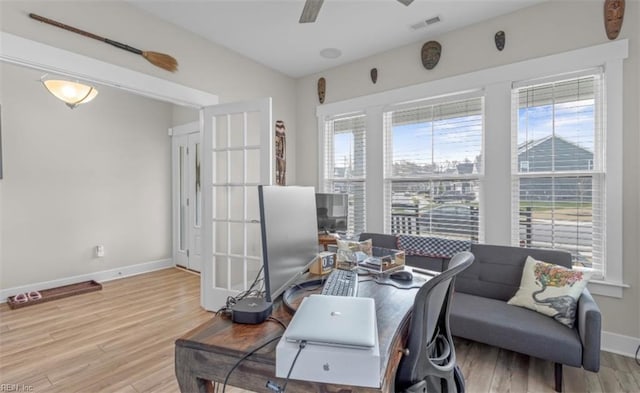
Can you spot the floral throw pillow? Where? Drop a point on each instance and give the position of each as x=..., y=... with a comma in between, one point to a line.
x=349, y=250
x=551, y=290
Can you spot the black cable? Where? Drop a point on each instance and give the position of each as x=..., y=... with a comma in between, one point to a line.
x=637, y=350
x=232, y=300
x=300, y=347
x=226, y=379
x=274, y=319
x=250, y=291
x=272, y=385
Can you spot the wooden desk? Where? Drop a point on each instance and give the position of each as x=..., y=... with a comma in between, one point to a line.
x=209, y=351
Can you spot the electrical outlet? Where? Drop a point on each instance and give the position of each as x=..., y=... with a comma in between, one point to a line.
x=100, y=251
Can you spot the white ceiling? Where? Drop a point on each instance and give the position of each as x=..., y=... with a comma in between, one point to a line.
x=268, y=31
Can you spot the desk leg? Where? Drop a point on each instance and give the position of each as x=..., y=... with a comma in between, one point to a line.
x=188, y=381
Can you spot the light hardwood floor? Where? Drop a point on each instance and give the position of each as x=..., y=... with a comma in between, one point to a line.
x=121, y=339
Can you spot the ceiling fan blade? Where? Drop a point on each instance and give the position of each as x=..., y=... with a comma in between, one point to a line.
x=406, y=2
x=310, y=11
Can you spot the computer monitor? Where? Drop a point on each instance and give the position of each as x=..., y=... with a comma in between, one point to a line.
x=332, y=212
x=289, y=236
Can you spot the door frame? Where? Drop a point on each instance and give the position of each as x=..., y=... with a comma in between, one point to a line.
x=212, y=296
x=39, y=56
x=183, y=130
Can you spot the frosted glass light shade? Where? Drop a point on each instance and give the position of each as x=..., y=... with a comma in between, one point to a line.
x=72, y=93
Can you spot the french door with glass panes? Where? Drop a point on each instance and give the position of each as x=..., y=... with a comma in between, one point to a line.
x=237, y=156
x=187, y=196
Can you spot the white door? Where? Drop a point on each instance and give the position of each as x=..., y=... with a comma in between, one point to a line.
x=187, y=196
x=237, y=156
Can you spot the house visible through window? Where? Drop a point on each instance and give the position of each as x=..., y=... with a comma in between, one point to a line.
x=559, y=194
x=433, y=161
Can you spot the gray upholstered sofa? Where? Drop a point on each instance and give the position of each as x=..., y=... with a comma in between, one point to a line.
x=480, y=312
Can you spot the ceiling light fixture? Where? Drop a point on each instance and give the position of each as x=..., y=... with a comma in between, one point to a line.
x=71, y=93
x=331, y=53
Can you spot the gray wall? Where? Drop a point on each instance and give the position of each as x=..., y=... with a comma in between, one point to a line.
x=548, y=28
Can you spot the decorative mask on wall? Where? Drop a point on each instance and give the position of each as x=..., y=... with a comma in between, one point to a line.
x=431, y=54
x=281, y=154
x=322, y=89
x=500, y=39
x=613, y=16
x=374, y=75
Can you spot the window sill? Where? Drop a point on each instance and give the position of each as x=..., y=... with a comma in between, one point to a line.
x=607, y=288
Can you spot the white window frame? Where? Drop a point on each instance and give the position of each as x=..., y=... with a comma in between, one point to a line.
x=390, y=178
x=495, y=191
x=597, y=175
x=327, y=180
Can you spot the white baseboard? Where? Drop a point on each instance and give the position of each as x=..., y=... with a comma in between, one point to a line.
x=617, y=343
x=101, y=276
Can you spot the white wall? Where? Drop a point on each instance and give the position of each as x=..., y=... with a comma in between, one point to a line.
x=54, y=207
x=202, y=65
x=98, y=174
x=548, y=28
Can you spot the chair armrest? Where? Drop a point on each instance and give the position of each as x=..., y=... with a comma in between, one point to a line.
x=589, y=329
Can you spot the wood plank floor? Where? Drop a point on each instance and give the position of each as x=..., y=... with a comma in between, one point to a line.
x=121, y=340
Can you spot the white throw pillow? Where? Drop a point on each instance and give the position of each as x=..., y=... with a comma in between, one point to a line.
x=551, y=290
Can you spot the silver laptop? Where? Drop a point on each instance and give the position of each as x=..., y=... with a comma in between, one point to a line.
x=334, y=320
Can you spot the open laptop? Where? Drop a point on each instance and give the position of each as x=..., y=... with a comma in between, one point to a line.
x=334, y=320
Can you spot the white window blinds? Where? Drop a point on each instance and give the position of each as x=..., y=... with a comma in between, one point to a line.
x=344, y=165
x=558, y=167
x=433, y=161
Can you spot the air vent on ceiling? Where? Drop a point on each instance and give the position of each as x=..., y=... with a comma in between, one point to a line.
x=433, y=20
x=424, y=23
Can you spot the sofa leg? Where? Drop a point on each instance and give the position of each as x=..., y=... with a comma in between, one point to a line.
x=558, y=375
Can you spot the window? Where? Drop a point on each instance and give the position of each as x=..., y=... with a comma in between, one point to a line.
x=495, y=156
x=345, y=165
x=558, y=200
x=433, y=163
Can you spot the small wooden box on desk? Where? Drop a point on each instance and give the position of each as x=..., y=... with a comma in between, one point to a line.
x=324, y=263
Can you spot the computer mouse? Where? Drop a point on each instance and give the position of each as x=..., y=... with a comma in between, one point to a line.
x=402, y=275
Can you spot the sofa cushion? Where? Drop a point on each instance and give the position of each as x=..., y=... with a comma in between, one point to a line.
x=497, y=270
x=551, y=290
x=430, y=246
x=496, y=323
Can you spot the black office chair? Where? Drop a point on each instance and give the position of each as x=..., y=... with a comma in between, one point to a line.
x=430, y=364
